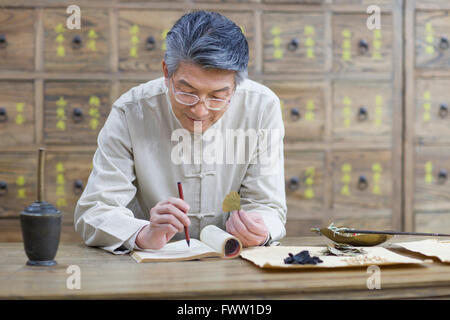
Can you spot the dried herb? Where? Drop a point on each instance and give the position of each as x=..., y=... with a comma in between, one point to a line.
x=232, y=202
x=338, y=230
x=341, y=249
x=302, y=258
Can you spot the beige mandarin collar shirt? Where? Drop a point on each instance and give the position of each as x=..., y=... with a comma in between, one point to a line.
x=133, y=168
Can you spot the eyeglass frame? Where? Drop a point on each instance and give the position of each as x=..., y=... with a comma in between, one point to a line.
x=198, y=98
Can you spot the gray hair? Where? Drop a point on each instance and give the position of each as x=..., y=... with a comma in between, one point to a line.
x=209, y=40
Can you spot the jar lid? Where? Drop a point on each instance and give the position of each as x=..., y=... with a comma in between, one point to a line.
x=41, y=207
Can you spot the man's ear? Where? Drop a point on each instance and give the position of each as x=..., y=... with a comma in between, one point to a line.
x=166, y=73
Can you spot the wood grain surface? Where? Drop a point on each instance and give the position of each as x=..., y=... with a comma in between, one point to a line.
x=104, y=275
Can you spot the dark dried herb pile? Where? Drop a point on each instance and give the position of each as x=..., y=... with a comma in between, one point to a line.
x=302, y=258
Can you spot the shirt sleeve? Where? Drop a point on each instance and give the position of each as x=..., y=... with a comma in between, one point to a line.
x=262, y=189
x=101, y=216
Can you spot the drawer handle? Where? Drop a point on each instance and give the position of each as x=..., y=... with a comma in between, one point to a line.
x=3, y=41
x=3, y=188
x=293, y=45
x=363, y=114
x=77, y=187
x=3, y=114
x=363, y=46
x=362, y=183
x=442, y=176
x=294, y=183
x=295, y=114
x=77, y=115
x=76, y=42
x=443, y=43
x=443, y=110
x=150, y=43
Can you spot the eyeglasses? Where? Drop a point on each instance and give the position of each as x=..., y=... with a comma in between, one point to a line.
x=189, y=99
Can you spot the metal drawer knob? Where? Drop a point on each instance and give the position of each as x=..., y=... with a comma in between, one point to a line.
x=77, y=187
x=77, y=115
x=443, y=43
x=3, y=188
x=362, y=183
x=3, y=41
x=442, y=176
x=3, y=114
x=295, y=114
x=293, y=45
x=363, y=114
x=76, y=42
x=363, y=46
x=294, y=183
x=150, y=43
x=443, y=110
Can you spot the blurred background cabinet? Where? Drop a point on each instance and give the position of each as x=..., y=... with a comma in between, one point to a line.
x=17, y=39
x=364, y=146
x=76, y=50
x=427, y=119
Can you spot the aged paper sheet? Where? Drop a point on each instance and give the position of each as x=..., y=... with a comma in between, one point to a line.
x=429, y=247
x=273, y=257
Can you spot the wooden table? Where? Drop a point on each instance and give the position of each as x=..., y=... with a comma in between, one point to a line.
x=107, y=276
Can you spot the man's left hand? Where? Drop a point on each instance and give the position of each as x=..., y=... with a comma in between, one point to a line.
x=249, y=227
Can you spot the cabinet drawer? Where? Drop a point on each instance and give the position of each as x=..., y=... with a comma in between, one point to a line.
x=78, y=50
x=367, y=221
x=303, y=109
x=66, y=175
x=124, y=86
x=431, y=174
x=432, y=118
x=432, y=44
x=16, y=113
x=362, y=111
x=75, y=111
x=362, y=182
x=142, y=35
x=432, y=222
x=304, y=180
x=356, y=48
x=17, y=182
x=11, y=231
x=301, y=227
x=293, y=42
x=17, y=39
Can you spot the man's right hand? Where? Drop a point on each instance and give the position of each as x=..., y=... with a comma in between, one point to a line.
x=166, y=219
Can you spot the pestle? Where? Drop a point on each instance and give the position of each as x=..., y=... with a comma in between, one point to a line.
x=41, y=224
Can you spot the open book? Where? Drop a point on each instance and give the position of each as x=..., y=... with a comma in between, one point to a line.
x=214, y=242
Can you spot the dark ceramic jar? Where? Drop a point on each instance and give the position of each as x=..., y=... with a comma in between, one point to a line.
x=41, y=229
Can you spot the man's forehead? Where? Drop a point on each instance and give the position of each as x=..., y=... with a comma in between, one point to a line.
x=200, y=78
x=187, y=84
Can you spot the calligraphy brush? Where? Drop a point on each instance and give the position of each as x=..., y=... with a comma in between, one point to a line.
x=348, y=230
x=186, y=229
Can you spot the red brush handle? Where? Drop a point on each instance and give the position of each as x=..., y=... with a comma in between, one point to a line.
x=186, y=229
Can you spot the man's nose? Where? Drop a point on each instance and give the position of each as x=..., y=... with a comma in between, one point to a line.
x=200, y=110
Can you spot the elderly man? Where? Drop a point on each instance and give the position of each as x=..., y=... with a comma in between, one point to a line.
x=158, y=133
